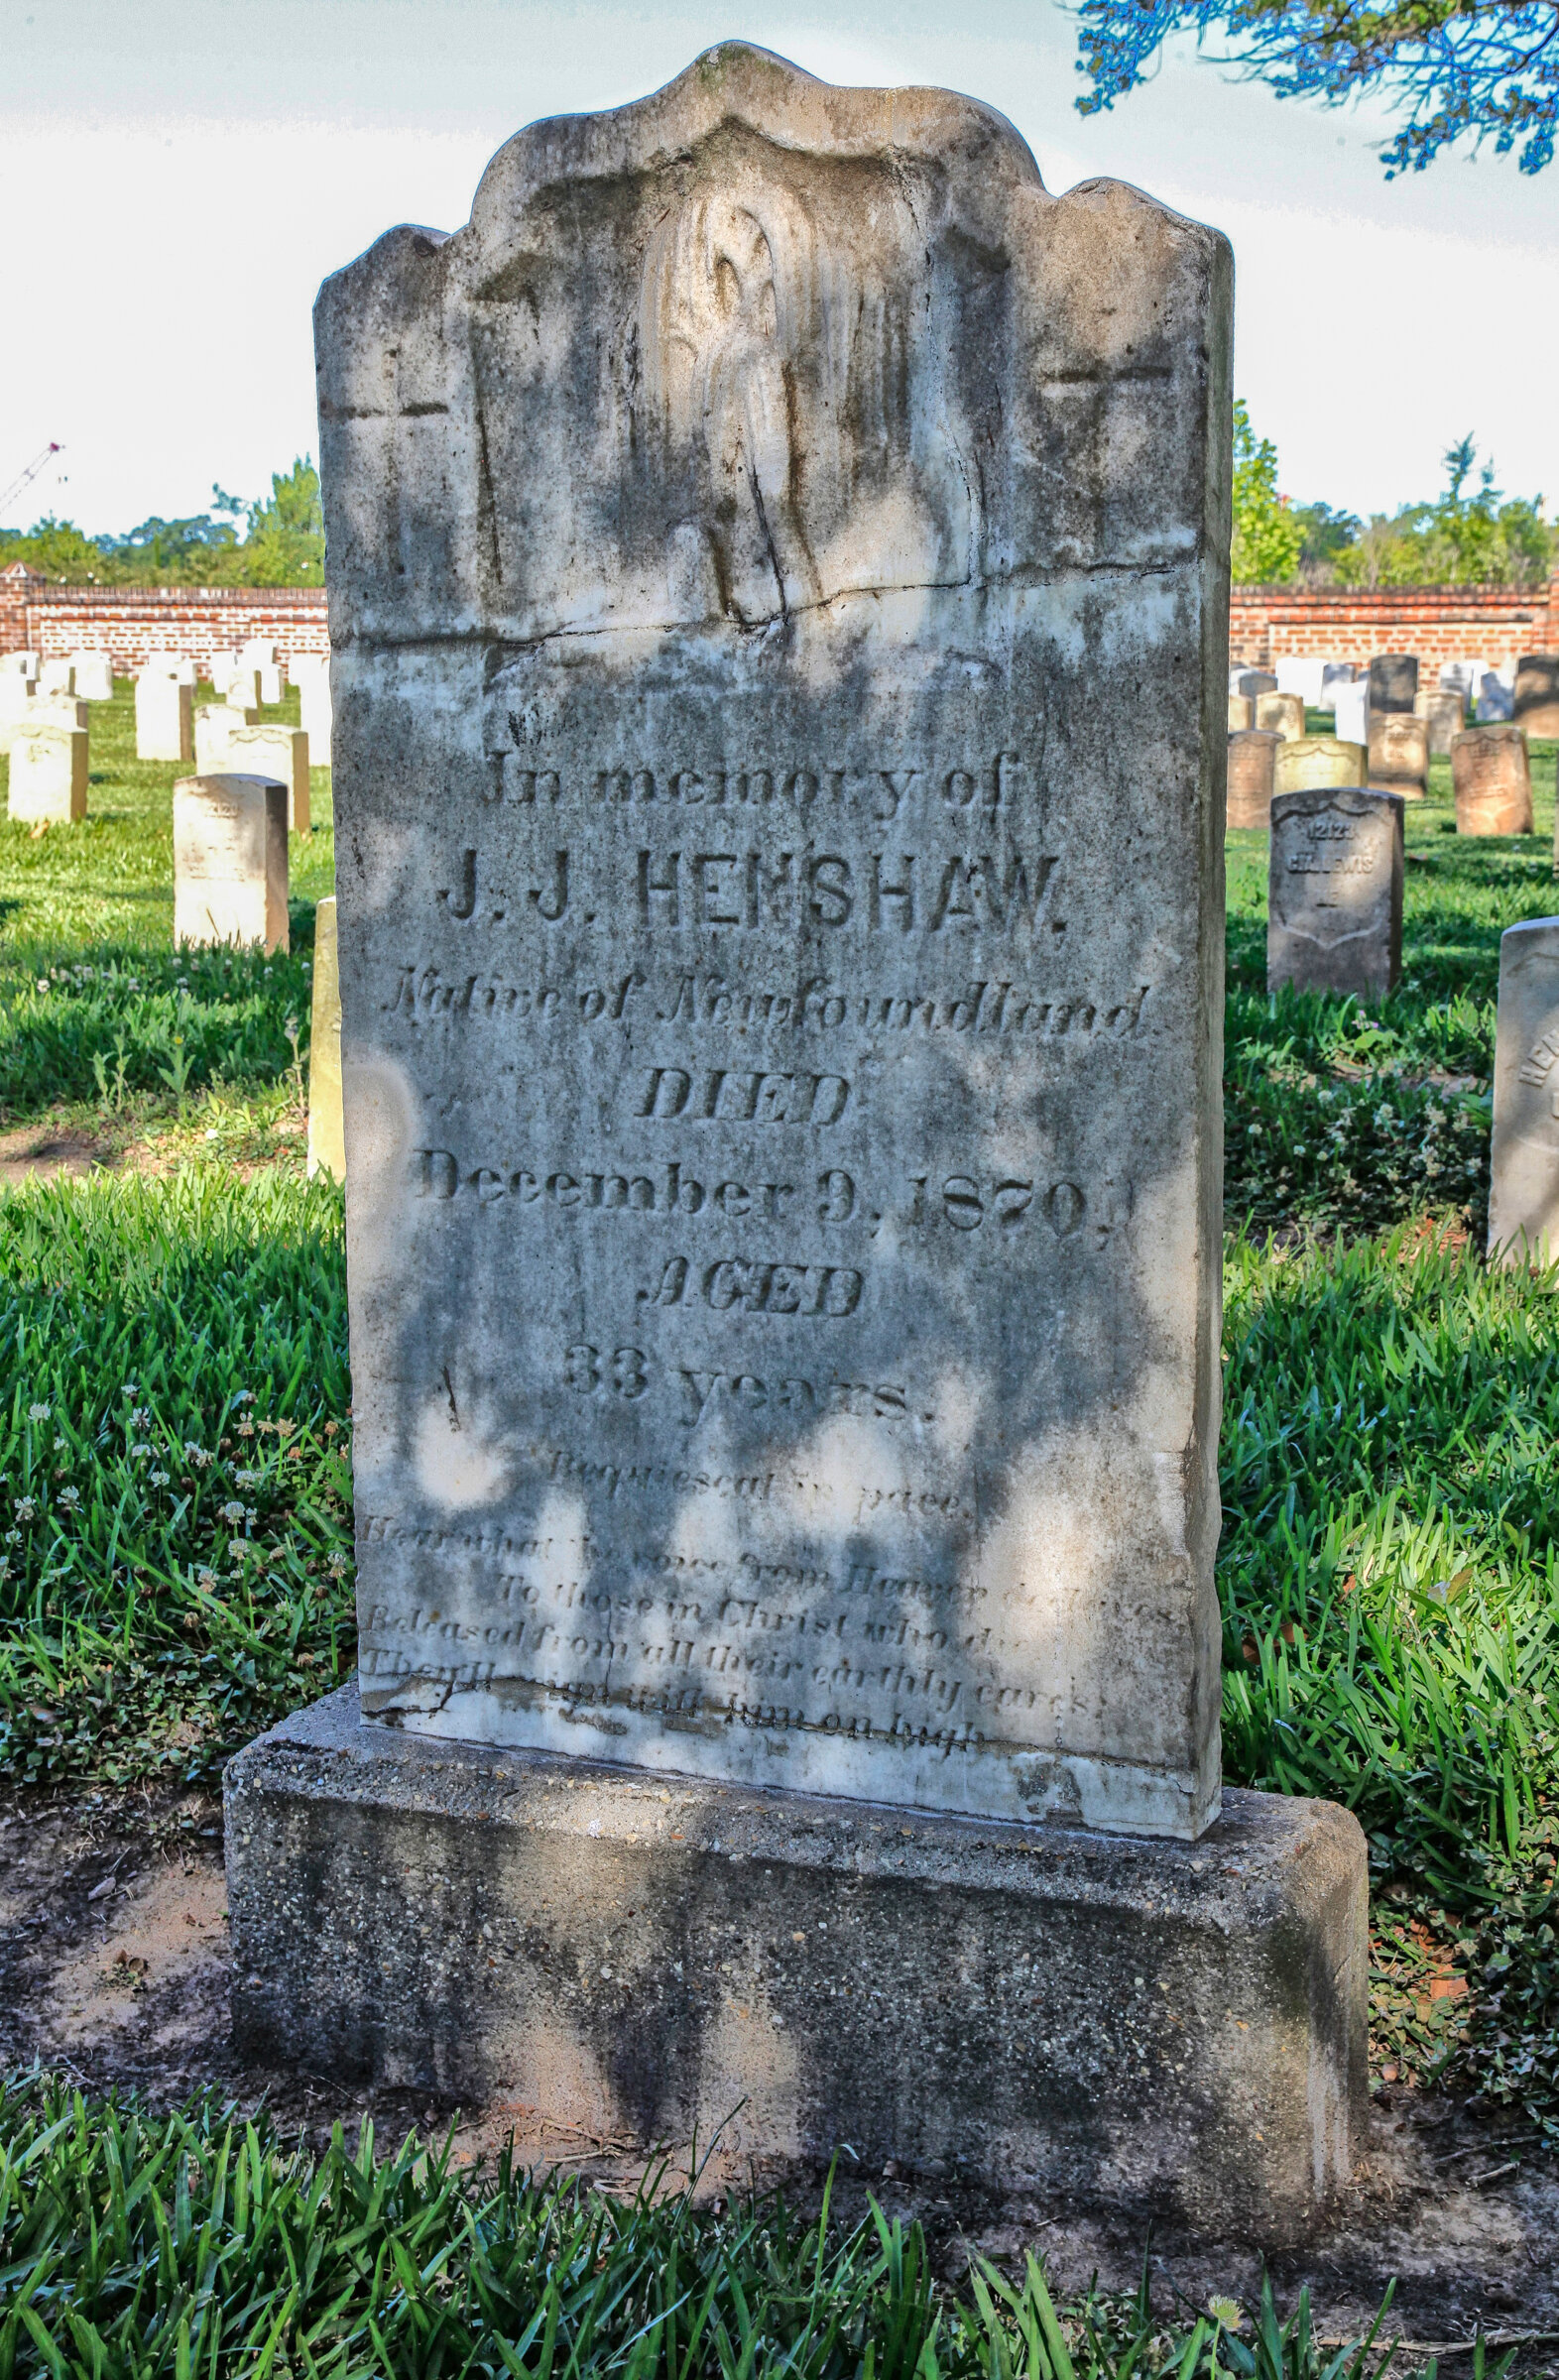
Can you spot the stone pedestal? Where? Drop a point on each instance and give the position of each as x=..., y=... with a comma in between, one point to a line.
x=1162, y=2025
x=1399, y=754
x=1536, y=699
x=1318, y=761
x=1493, y=784
x=1283, y=713
x=1251, y=761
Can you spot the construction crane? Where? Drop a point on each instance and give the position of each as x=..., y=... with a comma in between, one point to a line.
x=34, y=467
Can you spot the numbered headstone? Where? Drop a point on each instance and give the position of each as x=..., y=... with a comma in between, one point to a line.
x=230, y=859
x=1335, y=890
x=1399, y=754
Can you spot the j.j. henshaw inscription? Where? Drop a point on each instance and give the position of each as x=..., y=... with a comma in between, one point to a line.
x=779, y=998
x=780, y=1050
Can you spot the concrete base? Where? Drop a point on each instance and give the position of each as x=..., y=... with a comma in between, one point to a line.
x=1174, y=2027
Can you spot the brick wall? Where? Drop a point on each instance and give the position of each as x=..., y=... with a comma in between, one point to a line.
x=1350, y=624
x=131, y=621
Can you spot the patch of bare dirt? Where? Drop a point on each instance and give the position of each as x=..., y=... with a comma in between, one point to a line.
x=43, y=1152
x=114, y=1970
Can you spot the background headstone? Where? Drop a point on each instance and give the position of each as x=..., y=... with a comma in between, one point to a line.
x=163, y=718
x=1393, y=681
x=270, y=748
x=1443, y=713
x=1250, y=755
x=242, y=690
x=21, y=663
x=1399, y=754
x=1303, y=677
x=1492, y=781
x=214, y=724
x=59, y=710
x=1465, y=676
x=1352, y=711
x=55, y=677
x=326, y=1143
x=230, y=859
x=1335, y=890
x=270, y=683
x=16, y=698
x=312, y=679
x=1495, y=696
x=48, y=774
x=1535, y=702
x=1333, y=675
x=92, y=677
x=1257, y=682
x=1524, y=1166
x=1318, y=761
x=1242, y=713
x=1283, y=713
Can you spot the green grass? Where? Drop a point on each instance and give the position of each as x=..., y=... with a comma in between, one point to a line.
x=194, y=2248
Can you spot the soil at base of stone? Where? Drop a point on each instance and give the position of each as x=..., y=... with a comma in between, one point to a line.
x=128, y=1986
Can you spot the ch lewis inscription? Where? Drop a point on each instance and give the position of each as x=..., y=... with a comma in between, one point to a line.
x=780, y=1001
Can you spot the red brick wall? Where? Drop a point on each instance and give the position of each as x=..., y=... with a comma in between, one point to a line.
x=1350, y=624
x=131, y=621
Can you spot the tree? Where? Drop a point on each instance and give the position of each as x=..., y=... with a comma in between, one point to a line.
x=283, y=545
x=1470, y=70
x=1268, y=537
x=1327, y=534
x=1461, y=540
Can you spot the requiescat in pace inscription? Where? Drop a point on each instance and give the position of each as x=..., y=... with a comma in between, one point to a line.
x=780, y=998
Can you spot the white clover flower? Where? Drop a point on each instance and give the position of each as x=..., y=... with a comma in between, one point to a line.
x=245, y=1396
x=42, y=982
x=129, y=1387
x=141, y=1448
x=26, y=1509
x=62, y=1445
x=141, y=1418
x=13, y=1536
x=38, y=1412
x=157, y=1479
x=198, y=1454
x=340, y=1566
x=69, y=1496
x=232, y=1512
x=248, y=1478
x=250, y=1518
x=205, y=1579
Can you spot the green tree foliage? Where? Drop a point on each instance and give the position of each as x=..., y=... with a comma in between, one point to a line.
x=1464, y=538
x=1268, y=537
x=276, y=541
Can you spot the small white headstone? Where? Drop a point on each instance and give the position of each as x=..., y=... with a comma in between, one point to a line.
x=48, y=774
x=56, y=675
x=1333, y=675
x=1352, y=711
x=163, y=719
x=230, y=859
x=1496, y=695
x=273, y=748
x=1524, y=1165
x=269, y=677
x=93, y=677
x=1301, y=677
x=313, y=681
x=16, y=696
x=215, y=723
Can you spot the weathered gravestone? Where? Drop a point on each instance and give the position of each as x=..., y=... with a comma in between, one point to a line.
x=163, y=718
x=1393, y=681
x=1250, y=759
x=1242, y=714
x=1399, y=754
x=48, y=785
x=780, y=1049
x=1523, y=1168
x=1334, y=912
x=215, y=723
x=270, y=748
x=1283, y=713
x=1333, y=675
x=1317, y=760
x=1535, y=702
x=1253, y=682
x=326, y=1146
x=1495, y=696
x=1492, y=781
x=1443, y=714
x=230, y=859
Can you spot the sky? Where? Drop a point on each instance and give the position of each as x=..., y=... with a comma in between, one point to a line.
x=178, y=176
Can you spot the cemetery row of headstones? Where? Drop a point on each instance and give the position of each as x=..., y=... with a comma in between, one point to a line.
x=45, y=723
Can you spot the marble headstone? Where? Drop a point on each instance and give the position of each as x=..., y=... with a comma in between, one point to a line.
x=1495, y=696
x=230, y=859
x=1333, y=675
x=1443, y=713
x=1250, y=760
x=1257, y=682
x=48, y=774
x=92, y=677
x=214, y=724
x=780, y=999
x=1302, y=677
x=271, y=748
x=1523, y=1172
x=1283, y=713
x=1393, y=681
x=326, y=1146
x=1242, y=713
x=1335, y=890
x=1352, y=711
x=55, y=677
x=313, y=681
x=163, y=718
x=1309, y=761
x=1492, y=781
x=1399, y=754
x=1535, y=700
